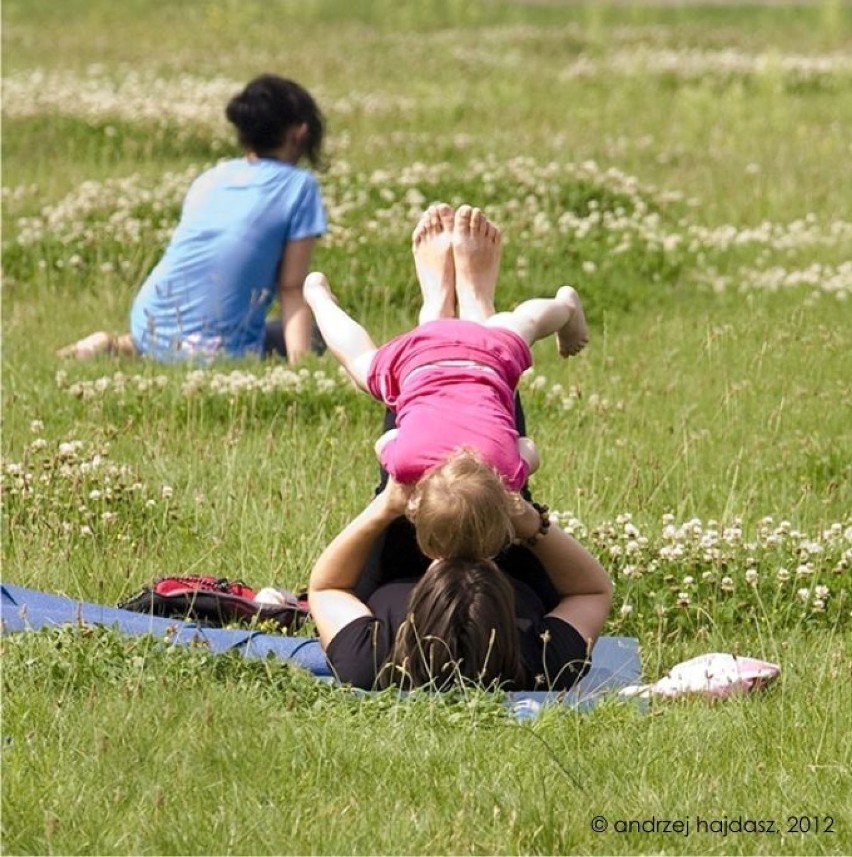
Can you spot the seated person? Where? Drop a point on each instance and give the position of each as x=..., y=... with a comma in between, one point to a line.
x=247, y=231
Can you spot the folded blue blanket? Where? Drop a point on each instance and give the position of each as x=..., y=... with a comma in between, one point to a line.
x=615, y=660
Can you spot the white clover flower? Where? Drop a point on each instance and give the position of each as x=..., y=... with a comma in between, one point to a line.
x=782, y=575
x=672, y=552
x=751, y=577
x=727, y=584
x=683, y=599
x=166, y=492
x=36, y=426
x=626, y=609
x=818, y=605
x=86, y=530
x=803, y=594
x=95, y=494
x=821, y=591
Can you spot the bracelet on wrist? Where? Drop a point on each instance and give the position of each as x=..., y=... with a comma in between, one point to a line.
x=543, y=525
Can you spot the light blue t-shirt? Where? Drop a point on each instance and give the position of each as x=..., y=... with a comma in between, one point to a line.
x=213, y=287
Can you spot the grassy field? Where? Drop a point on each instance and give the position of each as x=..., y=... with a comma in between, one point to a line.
x=687, y=167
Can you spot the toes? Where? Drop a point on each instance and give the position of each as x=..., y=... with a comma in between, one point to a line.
x=445, y=216
x=462, y=221
x=422, y=227
x=436, y=221
x=492, y=232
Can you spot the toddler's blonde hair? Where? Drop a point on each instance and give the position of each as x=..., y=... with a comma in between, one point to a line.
x=461, y=510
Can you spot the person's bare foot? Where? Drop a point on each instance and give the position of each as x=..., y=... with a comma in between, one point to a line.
x=573, y=336
x=477, y=245
x=316, y=288
x=94, y=344
x=432, y=245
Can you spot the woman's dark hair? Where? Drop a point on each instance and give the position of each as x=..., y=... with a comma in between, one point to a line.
x=270, y=105
x=460, y=629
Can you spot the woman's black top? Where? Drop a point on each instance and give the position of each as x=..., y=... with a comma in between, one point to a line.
x=554, y=654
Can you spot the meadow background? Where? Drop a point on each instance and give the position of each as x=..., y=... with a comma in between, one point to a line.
x=688, y=168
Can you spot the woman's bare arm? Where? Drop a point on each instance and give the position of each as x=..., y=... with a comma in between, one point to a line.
x=295, y=314
x=582, y=582
x=330, y=590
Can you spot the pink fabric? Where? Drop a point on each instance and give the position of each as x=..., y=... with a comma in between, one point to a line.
x=442, y=408
x=717, y=674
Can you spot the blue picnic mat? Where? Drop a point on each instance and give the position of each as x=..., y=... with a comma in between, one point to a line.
x=615, y=660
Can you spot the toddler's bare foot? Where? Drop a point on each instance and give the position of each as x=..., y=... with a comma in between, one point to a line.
x=94, y=344
x=573, y=336
x=432, y=245
x=477, y=245
x=316, y=288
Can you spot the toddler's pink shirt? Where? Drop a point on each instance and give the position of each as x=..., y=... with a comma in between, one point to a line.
x=442, y=408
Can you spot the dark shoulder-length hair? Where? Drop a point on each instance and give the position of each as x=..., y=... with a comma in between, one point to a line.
x=460, y=629
x=267, y=107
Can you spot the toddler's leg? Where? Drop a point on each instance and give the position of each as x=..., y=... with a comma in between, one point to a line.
x=539, y=317
x=383, y=441
x=347, y=340
x=529, y=452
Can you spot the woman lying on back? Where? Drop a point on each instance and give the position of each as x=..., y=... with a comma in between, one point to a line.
x=386, y=615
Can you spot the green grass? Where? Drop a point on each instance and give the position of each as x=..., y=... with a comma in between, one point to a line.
x=300, y=767
x=671, y=160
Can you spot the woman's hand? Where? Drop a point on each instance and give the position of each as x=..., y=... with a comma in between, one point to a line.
x=526, y=520
x=335, y=574
x=394, y=498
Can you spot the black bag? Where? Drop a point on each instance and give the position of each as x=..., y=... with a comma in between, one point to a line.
x=216, y=602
